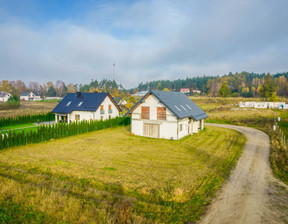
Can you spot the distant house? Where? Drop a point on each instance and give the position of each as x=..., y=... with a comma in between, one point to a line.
x=195, y=91
x=141, y=93
x=120, y=101
x=184, y=90
x=30, y=96
x=168, y=115
x=273, y=105
x=4, y=96
x=86, y=106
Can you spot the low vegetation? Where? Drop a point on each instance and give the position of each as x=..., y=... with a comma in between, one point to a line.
x=111, y=176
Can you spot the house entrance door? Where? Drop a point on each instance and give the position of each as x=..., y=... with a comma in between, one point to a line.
x=151, y=130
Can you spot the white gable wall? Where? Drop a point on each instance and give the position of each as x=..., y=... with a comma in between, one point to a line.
x=169, y=128
x=5, y=98
x=106, y=102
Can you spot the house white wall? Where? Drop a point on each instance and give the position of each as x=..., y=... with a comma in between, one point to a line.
x=106, y=102
x=5, y=98
x=95, y=115
x=171, y=128
x=30, y=97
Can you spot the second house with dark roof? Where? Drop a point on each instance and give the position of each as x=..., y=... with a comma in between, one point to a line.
x=30, y=96
x=169, y=115
x=86, y=106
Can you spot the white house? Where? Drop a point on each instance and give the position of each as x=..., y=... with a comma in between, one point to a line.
x=275, y=105
x=168, y=115
x=4, y=96
x=120, y=101
x=30, y=96
x=86, y=106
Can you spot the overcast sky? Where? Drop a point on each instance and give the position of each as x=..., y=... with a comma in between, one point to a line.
x=77, y=40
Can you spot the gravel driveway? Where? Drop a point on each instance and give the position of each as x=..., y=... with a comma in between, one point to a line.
x=252, y=194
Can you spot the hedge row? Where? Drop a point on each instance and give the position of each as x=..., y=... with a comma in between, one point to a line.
x=56, y=131
x=26, y=119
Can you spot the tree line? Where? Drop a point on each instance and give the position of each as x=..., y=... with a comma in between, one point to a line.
x=60, y=88
x=56, y=131
x=243, y=84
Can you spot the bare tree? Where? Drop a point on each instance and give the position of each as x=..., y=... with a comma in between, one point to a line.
x=34, y=86
x=60, y=88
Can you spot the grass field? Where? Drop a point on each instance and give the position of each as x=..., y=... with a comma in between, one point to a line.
x=226, y=110
x=111, y=176
x=19, y=128
x=29, y=107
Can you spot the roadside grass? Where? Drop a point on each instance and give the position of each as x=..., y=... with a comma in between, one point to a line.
x=29, y=107
x=111, y=176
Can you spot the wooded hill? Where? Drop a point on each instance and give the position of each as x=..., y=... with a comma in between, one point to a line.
x=240, y=84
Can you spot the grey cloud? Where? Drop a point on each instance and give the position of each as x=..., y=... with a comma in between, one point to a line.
x=162, y=40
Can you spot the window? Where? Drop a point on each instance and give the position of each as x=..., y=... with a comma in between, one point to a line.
x=102, y=109
x=181, y=127
x=77, y=117
x=177, y=107
x=68, y=103
x=109, y=109
x=145, y=113
x=161, y=113
x=80, y=104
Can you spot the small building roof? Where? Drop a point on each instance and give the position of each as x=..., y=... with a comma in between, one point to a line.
x=27, y=93
x=178, y=103
x=3, y=93
x=81, y=102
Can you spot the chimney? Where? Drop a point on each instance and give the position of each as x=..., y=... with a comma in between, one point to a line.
x=79, y=95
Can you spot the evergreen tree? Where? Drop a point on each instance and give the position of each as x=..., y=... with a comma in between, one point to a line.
x=1, y=141
x=6, y=144
x=267, y=88
x=10, y=139
x=224, y=90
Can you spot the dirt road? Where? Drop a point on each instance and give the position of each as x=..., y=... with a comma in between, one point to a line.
x=252, y=194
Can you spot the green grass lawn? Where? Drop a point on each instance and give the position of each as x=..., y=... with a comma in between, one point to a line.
x=19, y=128
x=111, y=176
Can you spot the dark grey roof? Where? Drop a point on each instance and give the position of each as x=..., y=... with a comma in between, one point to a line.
x=3, y=93
x=117, y=99
x=72, y=102
x=178, y=103
x=27, y=93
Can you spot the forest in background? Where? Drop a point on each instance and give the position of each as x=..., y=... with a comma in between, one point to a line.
x=243, y=84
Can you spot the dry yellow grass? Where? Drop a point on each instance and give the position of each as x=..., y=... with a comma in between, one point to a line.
x=91, y=177
x=29, y=107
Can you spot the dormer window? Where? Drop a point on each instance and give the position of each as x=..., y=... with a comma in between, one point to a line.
x=68, y=103
x=80, y=104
